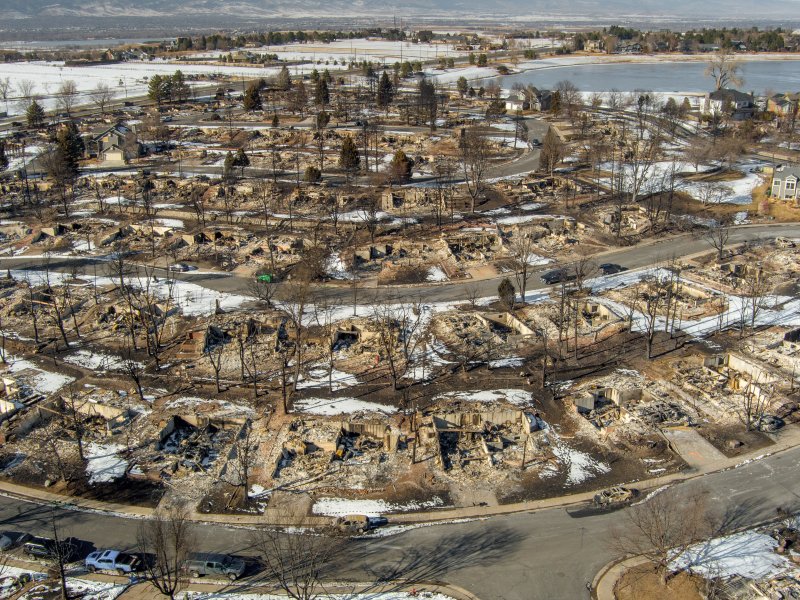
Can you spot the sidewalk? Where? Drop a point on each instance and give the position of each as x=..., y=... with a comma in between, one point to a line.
x=605, y=581
x=145, y=591
x=788, y=438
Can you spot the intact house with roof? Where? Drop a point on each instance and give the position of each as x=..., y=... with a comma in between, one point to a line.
x=113, y=146
x=784, y=182
x=783, y=104
x=731, y=102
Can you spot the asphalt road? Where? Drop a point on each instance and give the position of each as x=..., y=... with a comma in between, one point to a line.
x=547, y=554
x=643, y=255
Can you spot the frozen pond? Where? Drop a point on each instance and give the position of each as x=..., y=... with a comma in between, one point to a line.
x=662, y=76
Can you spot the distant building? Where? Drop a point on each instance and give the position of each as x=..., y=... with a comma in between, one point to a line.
x=783, y=104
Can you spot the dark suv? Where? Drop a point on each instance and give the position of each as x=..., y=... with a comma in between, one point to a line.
x=38, y=547
x=557, y=276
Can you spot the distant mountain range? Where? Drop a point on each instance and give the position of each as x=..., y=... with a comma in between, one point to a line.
x=723, y=10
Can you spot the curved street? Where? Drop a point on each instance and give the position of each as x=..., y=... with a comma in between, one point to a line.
x=634, y=257
x=544, y=554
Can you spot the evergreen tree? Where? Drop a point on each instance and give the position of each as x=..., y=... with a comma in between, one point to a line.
x=462, y=85
x=322, y=96
x=312, y=174
x=299, y=98
x=69, y=146
x=555, y=103
x=35, y=114
x=401, y=166
x=252, y=98
x=348, y=156
x=241, y=160
x=178, y=89
x=385, y=91
x=228, y=166
x=156, y=89
x=506, y=293
x=3, y=157
x=284, y=81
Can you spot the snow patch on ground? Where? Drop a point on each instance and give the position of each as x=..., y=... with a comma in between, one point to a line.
x=318, y=377
x=44, y=382
x=436, y=274
x=339, y=406
x=340, y=507
x=95, y=360
x=103, y=462
x=514, y=396
x=748, y=554
x=220, y=406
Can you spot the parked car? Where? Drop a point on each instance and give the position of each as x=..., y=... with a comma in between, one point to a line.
x=12, y=539
x=611, y=268
x=203, y=563
x=557, y=276
x=360, y=523
x=182, y=267
x=535, y=142
x=614, y=495
x=38, y=547
x=113, y=560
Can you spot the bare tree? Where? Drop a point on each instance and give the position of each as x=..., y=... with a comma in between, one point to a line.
x=213, y=351
x=66, y=96
x=522, y=249
x=552, y=151
x=662, y=528
x=755, y=290
x=652, y=300
x=399, y=329
x=756, y=399
x=75, y=418
x=167, y=537
x=717, y=237
x=5, y=90
x=570, y=97
x=102, y=95
x=296, y=561
x=243, y=457
x=474, y=156
x=63, y=550
x=26, y=88
x=724, y=70
x=132, y=368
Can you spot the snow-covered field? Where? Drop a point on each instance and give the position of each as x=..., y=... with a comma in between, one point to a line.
x=375, y=50
x=127, y=79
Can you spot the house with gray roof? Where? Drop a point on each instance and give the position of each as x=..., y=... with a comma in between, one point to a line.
x=784, y=182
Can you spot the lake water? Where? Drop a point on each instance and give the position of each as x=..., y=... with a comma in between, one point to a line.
x=776, y=75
